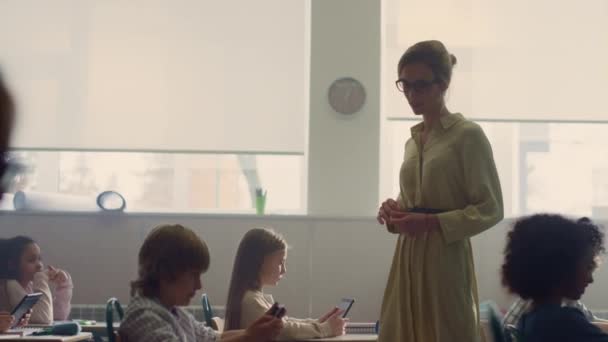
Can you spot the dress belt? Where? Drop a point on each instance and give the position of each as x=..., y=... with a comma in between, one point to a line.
x=426, y=210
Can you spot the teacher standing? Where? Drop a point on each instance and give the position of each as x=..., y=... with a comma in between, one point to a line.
x=449, y=192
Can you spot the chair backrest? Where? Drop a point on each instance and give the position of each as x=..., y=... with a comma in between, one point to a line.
x=207, y=311
x=113, y=305
x=512, y=333
x=494, y=322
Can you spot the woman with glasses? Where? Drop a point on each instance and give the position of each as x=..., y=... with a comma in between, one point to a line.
x=449, y=192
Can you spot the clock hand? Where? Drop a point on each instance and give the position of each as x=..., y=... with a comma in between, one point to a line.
x=348, y=93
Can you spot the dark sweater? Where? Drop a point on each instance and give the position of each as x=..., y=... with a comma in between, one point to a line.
x=554, y=323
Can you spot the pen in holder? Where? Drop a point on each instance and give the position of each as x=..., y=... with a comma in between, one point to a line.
x=260, y=201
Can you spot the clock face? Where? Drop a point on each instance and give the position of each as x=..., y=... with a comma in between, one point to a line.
x=346, y=95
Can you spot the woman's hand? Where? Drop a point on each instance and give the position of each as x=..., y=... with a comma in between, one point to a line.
x=413, y=224
x=384, y=213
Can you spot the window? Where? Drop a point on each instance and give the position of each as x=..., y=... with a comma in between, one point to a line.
x=543, y=167
x=168, y=181
x=535, y=87
x=185, y=105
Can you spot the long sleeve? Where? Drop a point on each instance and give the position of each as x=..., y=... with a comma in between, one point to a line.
x=42, y=312
x=203, y=332
x=255, y=306
x=391, y=227
x=147, y=326
x=297, y=329
x=146, y=320
x=62, y=298
x=482, y=188
x=5, y=302
x=304, y=320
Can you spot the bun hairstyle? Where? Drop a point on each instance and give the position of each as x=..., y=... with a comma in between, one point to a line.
x=433, y=54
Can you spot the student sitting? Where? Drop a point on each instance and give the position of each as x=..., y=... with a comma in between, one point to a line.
x=521, y=307
x=550, y=259
x=171, y=261
x=6, y=122
x=21, y=273
x=260, y=262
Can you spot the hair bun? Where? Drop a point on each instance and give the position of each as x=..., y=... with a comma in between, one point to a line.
x=453, y=59
x=583, y=219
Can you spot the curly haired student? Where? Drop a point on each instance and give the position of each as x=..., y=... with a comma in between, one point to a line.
x=550, y=259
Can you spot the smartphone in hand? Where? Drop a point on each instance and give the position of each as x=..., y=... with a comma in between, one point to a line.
x=277, y=310
x=345, y=305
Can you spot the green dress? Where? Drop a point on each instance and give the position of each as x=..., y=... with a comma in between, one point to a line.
x=431, y=293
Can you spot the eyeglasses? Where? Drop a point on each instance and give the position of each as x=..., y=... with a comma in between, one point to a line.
x=418, y=86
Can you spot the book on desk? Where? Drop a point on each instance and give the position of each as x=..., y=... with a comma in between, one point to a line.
x=356, y=328
x=22, y=331
x=83, y=336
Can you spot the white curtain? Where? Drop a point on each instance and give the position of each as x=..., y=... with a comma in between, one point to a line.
x=188, y=75
x=518, y=59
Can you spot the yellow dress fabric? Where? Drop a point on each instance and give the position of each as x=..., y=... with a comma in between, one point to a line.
x=431, y=293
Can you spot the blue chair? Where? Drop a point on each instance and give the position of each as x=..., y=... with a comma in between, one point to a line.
x=216, y=323
x=113, y=305
x=494, y=321
x=207, y=311
x=512, y=333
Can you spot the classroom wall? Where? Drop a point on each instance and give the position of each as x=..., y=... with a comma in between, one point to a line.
x=343, y=158
x=329, y=257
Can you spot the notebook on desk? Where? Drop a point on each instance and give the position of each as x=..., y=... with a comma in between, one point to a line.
x=22, y=331
x=353, y=328
x=48, y=338
x=8, y=336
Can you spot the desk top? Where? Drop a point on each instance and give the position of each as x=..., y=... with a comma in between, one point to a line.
x=50, y=338
x=98, y=328
x=95, y=328
x=346, y=338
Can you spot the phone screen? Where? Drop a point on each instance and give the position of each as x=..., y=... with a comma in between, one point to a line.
x=26, y=303
x=345, y=306
x=277, y=310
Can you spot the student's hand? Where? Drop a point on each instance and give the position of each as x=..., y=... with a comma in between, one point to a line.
x=56, y=275
x=265, y=328
x=6, y=320
x=413, y=224
x=327, y=315
x=384, y=213
x=26, y=318
x=337, y=323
